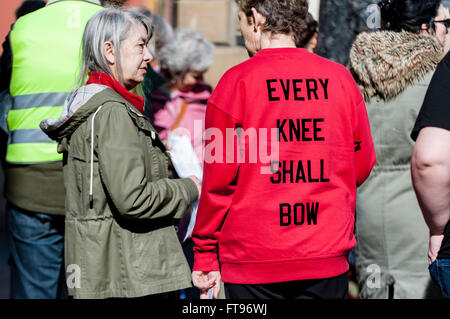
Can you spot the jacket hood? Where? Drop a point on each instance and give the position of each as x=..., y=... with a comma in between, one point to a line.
x=75, y=111
x=384, y=63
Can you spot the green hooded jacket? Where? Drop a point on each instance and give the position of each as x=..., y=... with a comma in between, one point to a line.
x=120, y=205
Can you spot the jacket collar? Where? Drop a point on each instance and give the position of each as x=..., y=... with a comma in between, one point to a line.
x=73, y=118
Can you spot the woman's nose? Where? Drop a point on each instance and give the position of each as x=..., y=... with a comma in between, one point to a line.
x=148, y=57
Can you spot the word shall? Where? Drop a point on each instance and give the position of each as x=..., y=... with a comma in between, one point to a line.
x=297, y=172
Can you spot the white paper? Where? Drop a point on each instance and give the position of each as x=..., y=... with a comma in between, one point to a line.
x=186, y=164
x=183, y=156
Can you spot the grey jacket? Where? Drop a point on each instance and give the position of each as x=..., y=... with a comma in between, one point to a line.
x=393, y=70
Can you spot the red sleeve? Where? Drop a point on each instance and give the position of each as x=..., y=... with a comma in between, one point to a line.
x=219, y=178
x=365, y=157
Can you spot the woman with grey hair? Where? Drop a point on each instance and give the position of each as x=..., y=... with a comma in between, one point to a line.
x=183, y=63
x=120, y=205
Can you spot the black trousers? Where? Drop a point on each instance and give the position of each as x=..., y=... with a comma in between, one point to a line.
x=330, y=288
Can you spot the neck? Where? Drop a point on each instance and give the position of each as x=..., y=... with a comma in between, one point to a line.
x=269, y=41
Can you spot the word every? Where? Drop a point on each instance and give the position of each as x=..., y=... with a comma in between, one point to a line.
x=297, y=89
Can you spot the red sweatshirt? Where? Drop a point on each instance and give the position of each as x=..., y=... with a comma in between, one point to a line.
x=289, y=216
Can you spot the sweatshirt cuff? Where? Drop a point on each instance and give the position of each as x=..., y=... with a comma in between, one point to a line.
x=205, y=261
x=191, y=189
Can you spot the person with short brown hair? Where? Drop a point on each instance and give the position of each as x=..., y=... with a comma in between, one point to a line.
x=280, y=225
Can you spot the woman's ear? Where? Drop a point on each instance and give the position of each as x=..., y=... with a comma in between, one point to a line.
x=426, y=29
x=108, y=51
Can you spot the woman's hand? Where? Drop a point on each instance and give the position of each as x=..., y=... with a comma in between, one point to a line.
x=205, y=280
x=197, y=183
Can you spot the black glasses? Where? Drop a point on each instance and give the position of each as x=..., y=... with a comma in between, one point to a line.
x=446, y=23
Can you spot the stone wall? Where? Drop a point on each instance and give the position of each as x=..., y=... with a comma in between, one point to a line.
x=340, y=22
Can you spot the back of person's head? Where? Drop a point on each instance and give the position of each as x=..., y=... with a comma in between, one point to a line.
x=407, y=15
x=282, y=16
x=163, y=31
x=189, y=51
x=29, y=6
x=311, y=28
x=111, y=25
x=113, y=3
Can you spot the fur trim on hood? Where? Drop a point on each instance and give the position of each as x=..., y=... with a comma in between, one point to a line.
x=385, y=63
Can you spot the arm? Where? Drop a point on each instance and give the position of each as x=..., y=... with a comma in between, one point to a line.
x=122, y=167
x=217, y=195
x=430, y=170
x=365, y=157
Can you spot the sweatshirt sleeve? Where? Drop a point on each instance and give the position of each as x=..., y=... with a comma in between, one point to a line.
x=122, y=168
x=365, y=157
x=219, y=180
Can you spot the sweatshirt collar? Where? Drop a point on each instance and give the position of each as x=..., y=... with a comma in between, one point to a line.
x=91, y=1
x=282, y=51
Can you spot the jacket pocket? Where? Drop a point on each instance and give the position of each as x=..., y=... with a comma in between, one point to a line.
x=158, y=255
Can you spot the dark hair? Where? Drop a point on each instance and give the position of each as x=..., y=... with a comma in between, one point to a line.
x=113, y=3
x=407, y=15
x=29, y=6
x=282, y=16
x=311, y=28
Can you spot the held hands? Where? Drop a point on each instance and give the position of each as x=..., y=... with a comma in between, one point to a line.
x=205, y=280
x=198, y=184
x=434, y=247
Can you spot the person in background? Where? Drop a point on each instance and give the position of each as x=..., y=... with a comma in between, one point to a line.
x=430, y=170
x=45, y=46
x=310, y=36
x=446, y=20
x=26, y=7
x=280, y=227
x=120, y=206
x=393, y=68
x=183, y=62
x=113, y=3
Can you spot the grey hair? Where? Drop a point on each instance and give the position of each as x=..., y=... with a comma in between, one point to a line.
x=189, y=51
x=108, y=25
x=163, y=31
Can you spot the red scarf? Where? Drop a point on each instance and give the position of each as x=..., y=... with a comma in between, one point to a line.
x=106, y=79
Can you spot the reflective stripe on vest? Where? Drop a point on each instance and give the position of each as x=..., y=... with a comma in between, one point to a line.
x=40, y=152
x=39, y=99
x=46, y=47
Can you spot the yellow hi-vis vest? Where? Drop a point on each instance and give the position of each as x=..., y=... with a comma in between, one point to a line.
x=46, y=49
